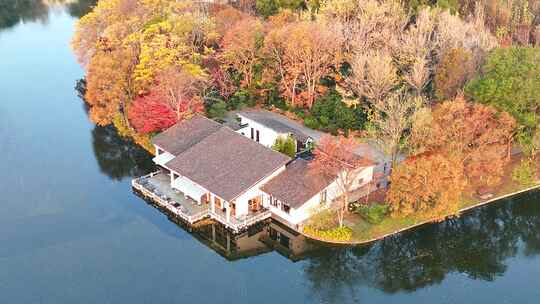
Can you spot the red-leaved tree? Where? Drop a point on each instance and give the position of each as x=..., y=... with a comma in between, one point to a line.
x=148, y=113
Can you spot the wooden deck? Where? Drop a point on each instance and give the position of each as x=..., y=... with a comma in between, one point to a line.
x=156, y=187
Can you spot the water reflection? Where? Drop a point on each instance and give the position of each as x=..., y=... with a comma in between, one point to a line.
x=119, y=157
x=258, y=239
x=81, y=7
x=13, y=12
x=477, y=245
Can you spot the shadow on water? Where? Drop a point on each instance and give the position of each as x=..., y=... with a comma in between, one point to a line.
x=117, y=156
x=12, y=12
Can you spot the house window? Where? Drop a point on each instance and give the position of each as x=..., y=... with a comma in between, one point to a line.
x=252, y=133
x=323, y=196
x=258, y=137
x=285, y=208
x=273, y=201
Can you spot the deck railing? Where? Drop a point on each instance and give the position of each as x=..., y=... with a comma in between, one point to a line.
x=233, y=223
x=239, y=224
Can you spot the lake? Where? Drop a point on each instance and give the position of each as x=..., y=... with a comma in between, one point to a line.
x=72, y=230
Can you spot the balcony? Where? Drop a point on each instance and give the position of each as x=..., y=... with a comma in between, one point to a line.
x=241, y=222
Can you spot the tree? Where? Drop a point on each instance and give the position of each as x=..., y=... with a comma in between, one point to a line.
x=453, y=72
x=241, y=45
x=510, y=82
x=125, y=44
x=330, y=114
x=177, y=41
x=373, y=74
x=285, y=145
x=107, y=85
x=302, y=53
x=267, y=8
x=226, y=18
x=389, y=120
x=181, y=89
x=427, y=184
x=478, y=136
x=149, y=114
x=335, y=157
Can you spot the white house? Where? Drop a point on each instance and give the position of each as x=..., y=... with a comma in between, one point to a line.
x=265, y=127
x=237, y=178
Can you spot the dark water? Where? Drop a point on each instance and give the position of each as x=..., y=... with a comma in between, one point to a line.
x=71, y=230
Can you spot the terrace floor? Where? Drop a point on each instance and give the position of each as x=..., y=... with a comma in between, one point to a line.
x=159, y=187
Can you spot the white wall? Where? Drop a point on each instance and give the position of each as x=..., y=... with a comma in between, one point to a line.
x=241, y=202
x=296, y=216
x=267, y=136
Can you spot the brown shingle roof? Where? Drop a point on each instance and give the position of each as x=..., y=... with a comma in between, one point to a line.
x=296, y=185
x=227, y=163
x=185, y=134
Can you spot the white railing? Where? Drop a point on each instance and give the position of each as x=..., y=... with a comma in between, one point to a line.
x=239, y=224
x=233, y=223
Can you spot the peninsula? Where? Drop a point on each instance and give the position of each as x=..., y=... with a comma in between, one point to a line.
x=344, y=120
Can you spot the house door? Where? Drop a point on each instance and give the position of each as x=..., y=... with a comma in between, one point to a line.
x=254, y=204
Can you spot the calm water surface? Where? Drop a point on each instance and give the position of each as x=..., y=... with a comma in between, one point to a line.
x=71, y=230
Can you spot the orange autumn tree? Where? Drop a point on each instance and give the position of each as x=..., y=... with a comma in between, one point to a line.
x=107, y=84
x=303, y=53
x=241, y=46
x=429, y=184
x=478, y=135
x=335, y=156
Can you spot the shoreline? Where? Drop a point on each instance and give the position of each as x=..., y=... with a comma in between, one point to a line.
x=425, y=222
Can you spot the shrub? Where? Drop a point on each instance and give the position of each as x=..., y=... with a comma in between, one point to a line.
x=323, y=220
x=240, y=99
x=374, y=214
x=285, y=145
x=337, y=234
x=217, y=110
x=524, y=173
x=312, y=122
